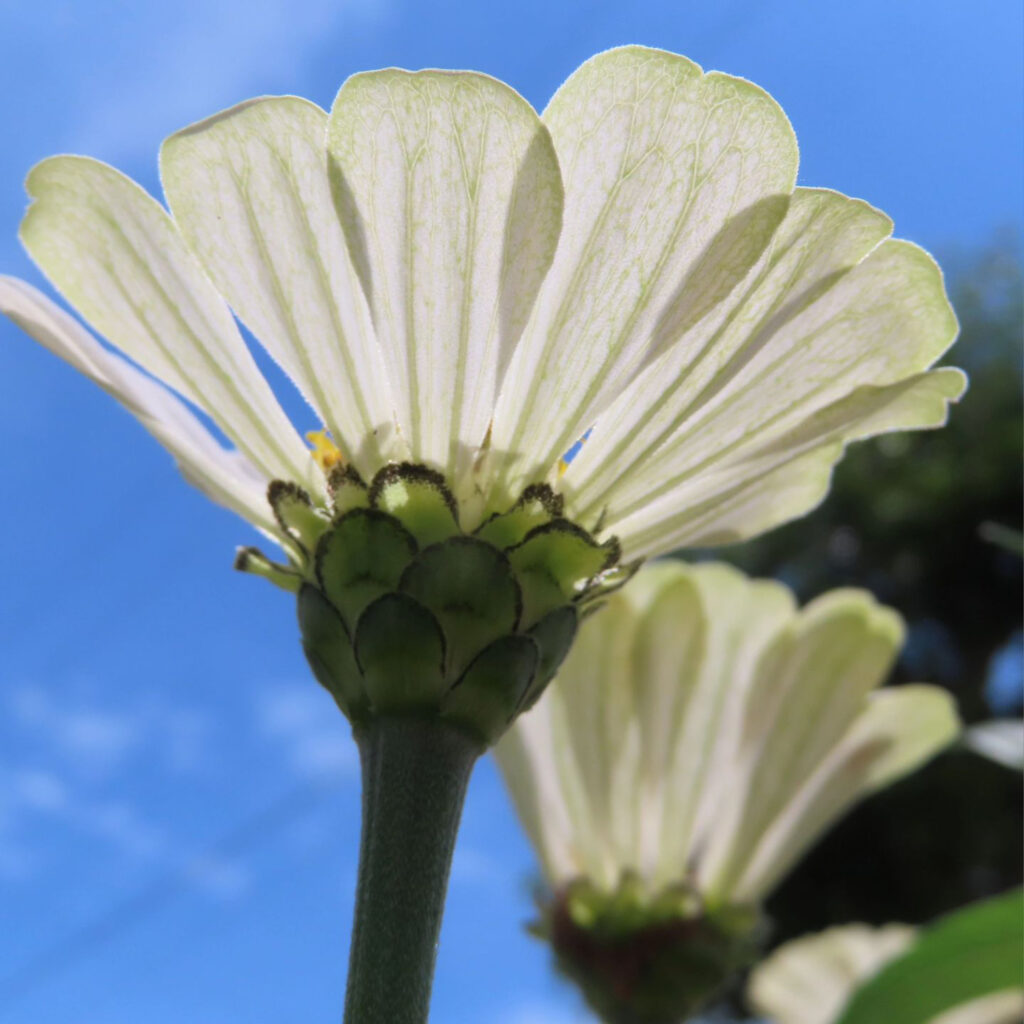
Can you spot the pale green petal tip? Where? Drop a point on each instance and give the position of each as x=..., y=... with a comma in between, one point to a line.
x=919, y=721
x=861, y=612
x=636, y=56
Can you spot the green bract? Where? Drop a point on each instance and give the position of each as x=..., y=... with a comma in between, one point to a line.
x=640, y=960
x=402, y=612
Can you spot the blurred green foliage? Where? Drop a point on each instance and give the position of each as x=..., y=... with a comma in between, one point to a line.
x=904, y=519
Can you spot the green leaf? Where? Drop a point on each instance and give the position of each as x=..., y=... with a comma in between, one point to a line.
x=971, y=953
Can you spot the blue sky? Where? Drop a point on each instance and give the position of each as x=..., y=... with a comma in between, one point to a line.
x=169, y=776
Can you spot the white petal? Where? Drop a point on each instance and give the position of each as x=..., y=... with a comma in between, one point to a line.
x=226, y=477
x=788, y=475
x=808, y=980
x=451, y=198
x=743, y=617
x=822, y=236
x=898, y=731
x=674, y=181
x=810, y=686
x=249, y=189
x=807, y=330
x=117, y=257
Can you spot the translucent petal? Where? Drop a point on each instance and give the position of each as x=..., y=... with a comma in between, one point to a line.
x=674, y=181
x=226, y=477
x=787, y=476
x=827, y=313
x=897, y=731
x=249, y=190
x=704, y=731
x=822, y=236
x=450, y=195
x=117, y=257
x=810, y=686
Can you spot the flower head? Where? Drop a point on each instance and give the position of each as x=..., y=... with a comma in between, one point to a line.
x=700, y=736
x=463, y=290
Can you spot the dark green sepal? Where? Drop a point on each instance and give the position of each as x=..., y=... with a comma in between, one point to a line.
x=485, y=699
x=346, y=489
x=252, y=560
x=554, y=562
x=471, y=589
x=360, y=558
x=419, y=497
x=553, y=635
x=400, y=649
x=329, y=652
x=537, y=506
x=295, y=514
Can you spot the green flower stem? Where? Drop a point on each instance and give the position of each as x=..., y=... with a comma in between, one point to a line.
x=415, y=773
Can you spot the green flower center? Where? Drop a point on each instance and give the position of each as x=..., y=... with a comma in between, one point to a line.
x=642, y=958
x=402, y=612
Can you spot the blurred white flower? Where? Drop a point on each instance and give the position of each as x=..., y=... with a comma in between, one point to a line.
x=705, y=732
x=809, y=980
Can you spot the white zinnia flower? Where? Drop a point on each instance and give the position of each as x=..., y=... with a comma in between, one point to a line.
x=451, y=279
x=810, y=980
x=465, y=292
x=706, y=731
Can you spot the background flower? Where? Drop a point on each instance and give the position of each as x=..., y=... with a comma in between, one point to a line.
x=701, y=734
x=704, y=730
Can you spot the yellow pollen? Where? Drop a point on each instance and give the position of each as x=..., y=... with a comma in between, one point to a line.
x=325, y=452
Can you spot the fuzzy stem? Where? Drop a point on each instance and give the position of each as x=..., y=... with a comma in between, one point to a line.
x=415, y=773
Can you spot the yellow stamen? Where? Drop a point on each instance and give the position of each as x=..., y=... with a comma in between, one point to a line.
x=325, y=452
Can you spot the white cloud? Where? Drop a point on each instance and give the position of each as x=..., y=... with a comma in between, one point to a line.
x=89, y=736
x=94, y=739
x=77, y=742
